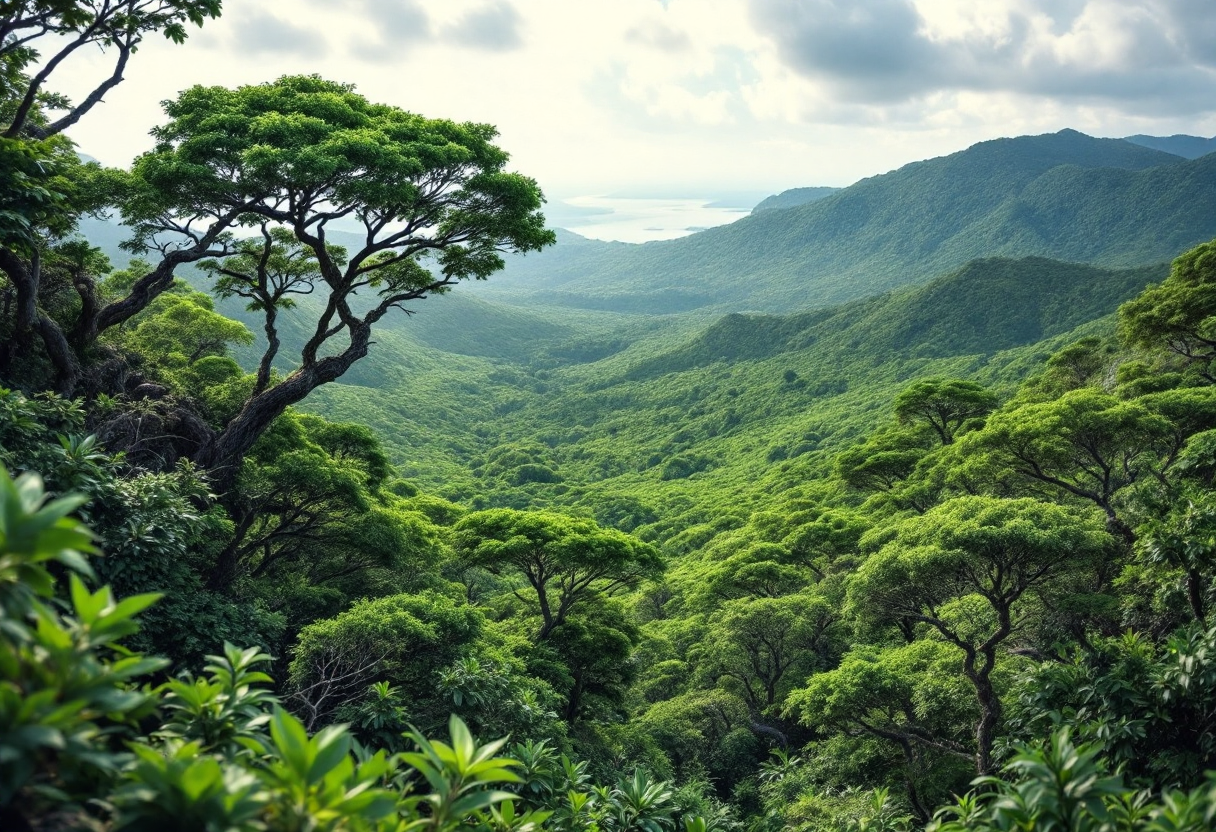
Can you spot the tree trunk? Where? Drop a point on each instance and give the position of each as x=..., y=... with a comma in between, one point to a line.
x=990, y=716
x=223, y=456
x=910, y=759
x=1194, y=594
x=25, y=308
x=63, y=357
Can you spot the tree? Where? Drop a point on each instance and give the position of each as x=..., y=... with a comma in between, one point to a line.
x=1087, y=443
x=1178, y=314
x=432, y=197
x=564, y=560
x=1185, y=539
x=294, y=491
x=968, y=569
x=586, y=658
x=756, y=570
x=882, y=462
x=944, y=404
x=756, y=647
x=910, y=695
x=403, y=639
x=157, y=528
x=828, y=543
x=69, y=26
x=46, y=186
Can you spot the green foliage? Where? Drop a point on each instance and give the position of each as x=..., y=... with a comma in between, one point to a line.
x=35, y=193
x=225, y=756
x=1066, y=786
x=156, y=536
x=945, y=404
x=1178, y=314
x=860, y=549
x=1145, y=707
x=405, y=640
x=564, y=560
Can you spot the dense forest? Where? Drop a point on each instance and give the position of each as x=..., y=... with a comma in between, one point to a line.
x=885, y=508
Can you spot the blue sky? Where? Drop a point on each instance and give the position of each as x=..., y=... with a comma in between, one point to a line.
x=704, y=97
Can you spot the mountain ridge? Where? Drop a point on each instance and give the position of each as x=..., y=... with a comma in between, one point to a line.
x=1064, y=196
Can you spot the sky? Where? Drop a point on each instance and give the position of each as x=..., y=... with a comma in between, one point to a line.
x=704, y=98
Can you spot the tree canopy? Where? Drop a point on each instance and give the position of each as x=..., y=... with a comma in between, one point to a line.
x=563, y=559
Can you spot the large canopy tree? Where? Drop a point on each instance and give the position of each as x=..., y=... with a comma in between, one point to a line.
x=431, y=197
x=944, y=404
x=564, y=560
x=911, y=695
x=1179, y=314
x=287, y=160
x=1087, y=443
x=969, y=570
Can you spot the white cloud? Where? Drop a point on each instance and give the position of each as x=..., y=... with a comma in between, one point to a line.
x=603, y=95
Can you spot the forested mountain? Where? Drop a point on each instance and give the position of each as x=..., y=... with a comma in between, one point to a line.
x=1188, y=147
x=1065, y=196
x=634, y=405
x=793, y=198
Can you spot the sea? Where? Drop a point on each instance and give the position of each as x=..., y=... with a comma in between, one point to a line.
x=642, y=219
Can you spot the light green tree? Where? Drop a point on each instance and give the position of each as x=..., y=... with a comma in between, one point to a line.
x=1179, y=314
x=969, y=571
x=563, y=560
x=946, y=405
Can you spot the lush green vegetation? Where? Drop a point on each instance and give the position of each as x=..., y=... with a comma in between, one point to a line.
x=936, y=558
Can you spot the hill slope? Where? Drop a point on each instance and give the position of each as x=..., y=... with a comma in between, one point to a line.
x=678, y=419
x=793, y=198
x=1188, y=147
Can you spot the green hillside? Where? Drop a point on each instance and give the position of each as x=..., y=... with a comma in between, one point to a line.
x=890, y=510
x=683, y=417
x=1188, y=147
x=793, y=198
x=1066, y=196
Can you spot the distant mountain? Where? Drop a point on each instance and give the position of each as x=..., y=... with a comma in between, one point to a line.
x=1188, y=147
x=793, y=198
x=1065, y=195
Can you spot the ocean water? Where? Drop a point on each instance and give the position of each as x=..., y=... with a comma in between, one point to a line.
x=637, y=220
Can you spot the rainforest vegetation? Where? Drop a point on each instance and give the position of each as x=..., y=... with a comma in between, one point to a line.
x=775, y=547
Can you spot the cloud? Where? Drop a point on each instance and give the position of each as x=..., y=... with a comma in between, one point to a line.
x=398, y=26
x=1146, y=56
x=659, y=36
x=493, y=27
x=872, y=48
x=1195, y=23
x=260, y=33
